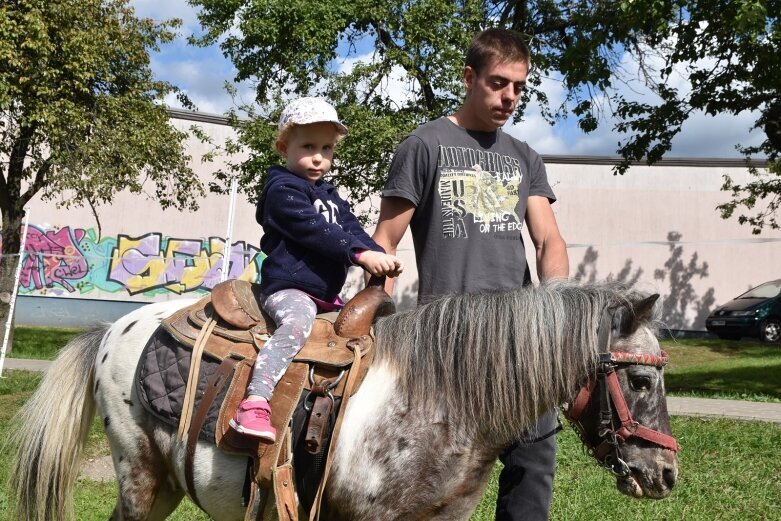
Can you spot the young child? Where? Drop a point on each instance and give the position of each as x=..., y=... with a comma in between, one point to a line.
x=310, y=238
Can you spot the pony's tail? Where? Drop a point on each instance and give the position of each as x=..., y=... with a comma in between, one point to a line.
x=51, y=429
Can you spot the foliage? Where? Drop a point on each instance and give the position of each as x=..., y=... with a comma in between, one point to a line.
x=716, y=56
x=81, y=116
x=81, y=111
x=762, y=189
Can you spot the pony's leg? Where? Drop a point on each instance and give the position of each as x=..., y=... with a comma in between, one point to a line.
x=146, y=489
x=131, y=504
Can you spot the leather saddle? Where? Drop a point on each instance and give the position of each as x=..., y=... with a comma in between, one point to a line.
x=228, y=325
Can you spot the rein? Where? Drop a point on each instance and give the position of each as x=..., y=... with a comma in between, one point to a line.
x=611, y=398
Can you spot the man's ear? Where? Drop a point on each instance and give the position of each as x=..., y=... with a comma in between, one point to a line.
x=470, y=75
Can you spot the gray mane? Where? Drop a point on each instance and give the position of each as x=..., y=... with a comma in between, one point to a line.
x=494, y=361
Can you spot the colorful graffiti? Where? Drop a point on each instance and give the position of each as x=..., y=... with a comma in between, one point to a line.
x=69, y=261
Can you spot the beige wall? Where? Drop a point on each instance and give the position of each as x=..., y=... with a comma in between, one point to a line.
x=654, y=226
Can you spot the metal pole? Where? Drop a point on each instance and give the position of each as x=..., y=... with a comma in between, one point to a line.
x=14, y=292
x=226, y=261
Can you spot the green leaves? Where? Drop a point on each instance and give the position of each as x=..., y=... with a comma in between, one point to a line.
x=401, y=62
x=81, y=109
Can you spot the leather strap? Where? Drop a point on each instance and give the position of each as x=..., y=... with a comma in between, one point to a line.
x=357, y=347
x=284, y=492
x=192, y=378
x=575, y=411
x=318, y=421
x=217, y=381
x=629, y=427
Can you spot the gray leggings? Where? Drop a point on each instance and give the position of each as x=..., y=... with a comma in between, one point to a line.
x=294, y=313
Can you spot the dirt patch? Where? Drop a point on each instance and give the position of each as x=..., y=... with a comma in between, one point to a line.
x=97, y=469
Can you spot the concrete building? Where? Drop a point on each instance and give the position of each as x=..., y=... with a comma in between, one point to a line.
x=656, y=227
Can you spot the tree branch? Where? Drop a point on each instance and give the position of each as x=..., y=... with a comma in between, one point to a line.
x=428, y=92
x=39, y=182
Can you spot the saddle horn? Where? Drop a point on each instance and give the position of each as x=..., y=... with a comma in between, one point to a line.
x=356, y=317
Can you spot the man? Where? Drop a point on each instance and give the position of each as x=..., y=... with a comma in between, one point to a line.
x=465, y=188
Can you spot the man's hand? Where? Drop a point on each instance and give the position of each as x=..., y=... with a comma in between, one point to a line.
x=379, y=264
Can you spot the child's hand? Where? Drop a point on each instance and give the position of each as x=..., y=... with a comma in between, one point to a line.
x=379, y=264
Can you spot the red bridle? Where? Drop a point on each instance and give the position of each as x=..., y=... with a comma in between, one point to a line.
x=608, y=453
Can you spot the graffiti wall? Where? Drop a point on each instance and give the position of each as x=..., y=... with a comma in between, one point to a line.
x=77, y=262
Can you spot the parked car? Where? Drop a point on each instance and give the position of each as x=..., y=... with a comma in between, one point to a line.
x=756, y=313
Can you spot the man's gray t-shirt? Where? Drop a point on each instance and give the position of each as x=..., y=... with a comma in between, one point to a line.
x=470, y=190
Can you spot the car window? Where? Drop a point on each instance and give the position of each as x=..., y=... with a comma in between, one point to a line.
x=767, y=290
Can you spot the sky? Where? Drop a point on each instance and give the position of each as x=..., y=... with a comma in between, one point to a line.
x=202, y=72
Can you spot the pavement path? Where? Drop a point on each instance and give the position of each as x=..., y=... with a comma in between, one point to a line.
x=707, y=407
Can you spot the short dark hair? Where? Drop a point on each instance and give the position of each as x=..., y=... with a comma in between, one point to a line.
x=500, y=44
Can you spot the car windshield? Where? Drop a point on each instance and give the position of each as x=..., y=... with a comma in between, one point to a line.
x=767, y=290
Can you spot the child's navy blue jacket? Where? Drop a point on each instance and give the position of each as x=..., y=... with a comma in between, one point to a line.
x=310, y=236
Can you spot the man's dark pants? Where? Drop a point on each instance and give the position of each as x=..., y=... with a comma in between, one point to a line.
x=526, y=482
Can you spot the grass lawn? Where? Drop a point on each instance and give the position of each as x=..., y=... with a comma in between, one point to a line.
x=728, y=470
x=738, y=370
x=40, y=343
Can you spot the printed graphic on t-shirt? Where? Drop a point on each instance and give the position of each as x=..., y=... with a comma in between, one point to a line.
x=328, y=210
x=479, y=186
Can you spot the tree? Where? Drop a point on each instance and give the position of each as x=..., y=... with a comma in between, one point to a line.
x=727, y=52
x=80, y=113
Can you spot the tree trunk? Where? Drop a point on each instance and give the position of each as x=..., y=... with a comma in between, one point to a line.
x=12, y=235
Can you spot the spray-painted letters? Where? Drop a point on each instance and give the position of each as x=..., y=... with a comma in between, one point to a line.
x=75, y=261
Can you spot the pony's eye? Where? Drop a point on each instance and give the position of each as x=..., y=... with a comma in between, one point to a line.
x=640, y=383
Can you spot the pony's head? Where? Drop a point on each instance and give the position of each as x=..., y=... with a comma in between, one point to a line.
x=621, y=411
x=491, y=363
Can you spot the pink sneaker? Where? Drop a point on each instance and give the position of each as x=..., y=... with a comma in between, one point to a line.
x=253, y=418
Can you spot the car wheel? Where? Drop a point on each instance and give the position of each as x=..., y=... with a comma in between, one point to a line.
x=771, y=330
x=728, y=336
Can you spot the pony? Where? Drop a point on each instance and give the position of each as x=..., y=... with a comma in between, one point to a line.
x=452, y=383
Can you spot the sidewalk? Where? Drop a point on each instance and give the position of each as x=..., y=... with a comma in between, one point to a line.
x=739, y=410
x=735, y=409
x=27, y=365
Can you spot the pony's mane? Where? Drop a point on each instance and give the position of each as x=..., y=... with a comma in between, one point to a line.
x=494, y=361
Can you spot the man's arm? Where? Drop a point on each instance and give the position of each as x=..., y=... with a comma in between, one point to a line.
x=395, y=216
x=551, y=250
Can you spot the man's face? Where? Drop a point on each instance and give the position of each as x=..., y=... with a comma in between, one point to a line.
x=494, y=92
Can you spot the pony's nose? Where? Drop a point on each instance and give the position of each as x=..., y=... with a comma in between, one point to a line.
x=669, y=475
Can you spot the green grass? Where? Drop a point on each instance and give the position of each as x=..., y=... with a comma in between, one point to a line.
x=737, y=370
x=727, y=470
x=40, y=343
x=93, y=500
x=724, y=369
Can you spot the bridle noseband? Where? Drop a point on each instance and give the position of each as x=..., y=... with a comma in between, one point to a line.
x=611, y=398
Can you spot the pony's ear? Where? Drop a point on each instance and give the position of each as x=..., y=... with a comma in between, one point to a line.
x=643, y=310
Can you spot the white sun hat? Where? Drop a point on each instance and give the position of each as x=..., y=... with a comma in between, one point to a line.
x=308, y=110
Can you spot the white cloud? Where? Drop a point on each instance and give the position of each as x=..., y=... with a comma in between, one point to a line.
x=167, y=9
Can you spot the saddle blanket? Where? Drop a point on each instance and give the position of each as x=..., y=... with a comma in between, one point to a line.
x=161, y=380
